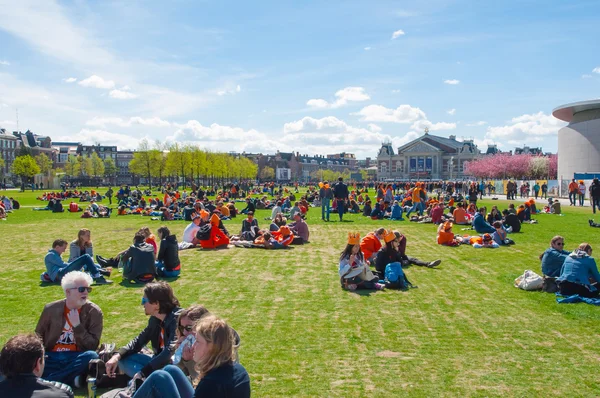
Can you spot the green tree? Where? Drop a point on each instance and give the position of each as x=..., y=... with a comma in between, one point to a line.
x=110, y=168
x=267, y=173
x=97, y=166
x=2, y=167
x=44, y=163
x=72, y=166
x=85, y=164
x=179, y=161
x=25, y=167
x=142, y=162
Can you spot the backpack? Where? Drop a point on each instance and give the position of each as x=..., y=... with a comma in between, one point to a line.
x=529, y=281
x=395, y=277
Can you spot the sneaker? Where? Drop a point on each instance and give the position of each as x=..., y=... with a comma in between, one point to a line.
x=591, y=223
x=78, y=382
x=434, y=263
x=105, y=271
x=45, y=277
x=100, y=280
x=379, y=286
x=352, y=287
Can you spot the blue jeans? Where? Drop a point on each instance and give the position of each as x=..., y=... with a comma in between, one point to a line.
x=416, y=206
x=325, y=208
x=134, y=363
x=168, y=382
x=64, y=366
x=341, y=206
x=581, y=199
x=573, y=198
x=162, y=271
x=84, y=262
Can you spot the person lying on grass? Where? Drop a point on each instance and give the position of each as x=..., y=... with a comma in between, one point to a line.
x=353, y=270
x=482, y=242
x=500, y=235
x=406, y=260
x=578, y=272
x=56, y=268
x=446, y=237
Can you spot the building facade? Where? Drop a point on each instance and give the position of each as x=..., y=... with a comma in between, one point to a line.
x=9, y=145
x=427, y=157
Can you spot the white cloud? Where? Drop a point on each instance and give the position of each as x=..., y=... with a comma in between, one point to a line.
x=596, y=69
x=125, y=88
x=479, y=123
x=451, y=111
x=374, y=128
x=4, y=63
x=367, y=48
x=586, y=76
x=69, y=80
x=97, y=82
x=344, y=96
x=421, y=125
x=452, y=81
x=229, y=90
x=395, y=91
x=397, y=34
x=120, y=94
x=526, y=127
x=117, y=121
x=379, y=113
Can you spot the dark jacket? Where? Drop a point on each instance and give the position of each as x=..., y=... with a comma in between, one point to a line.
x=231, y=381
x=383, y=259
x=340, y=191
x=87, y=333
x=481, y=226
x=142, y=261
x=151, y=334
x=595, y=190
x=511, y=220
x=169, y=252
x=28, y=385
x=326, y=193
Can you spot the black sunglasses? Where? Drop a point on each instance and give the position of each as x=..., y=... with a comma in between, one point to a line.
x=82, y=289
x=188, y=328
x=560, y=244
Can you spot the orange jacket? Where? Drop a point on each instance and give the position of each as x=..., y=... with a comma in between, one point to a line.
x=445, y=238
x=370, y=244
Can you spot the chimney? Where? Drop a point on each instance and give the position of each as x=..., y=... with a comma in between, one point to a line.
x=452, y=137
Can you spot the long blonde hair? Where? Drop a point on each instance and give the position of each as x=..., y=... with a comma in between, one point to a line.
x=83, y=231
x=221, y=340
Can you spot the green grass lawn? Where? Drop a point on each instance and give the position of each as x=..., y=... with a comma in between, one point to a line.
x=465, y=331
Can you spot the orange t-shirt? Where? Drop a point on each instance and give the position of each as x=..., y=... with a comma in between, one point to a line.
x=66, y=341
x=416, y=195
x=573, y=187
x=460, y=215
x=444, y=237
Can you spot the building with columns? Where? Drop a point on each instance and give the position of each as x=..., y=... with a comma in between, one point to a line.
x=427, y=157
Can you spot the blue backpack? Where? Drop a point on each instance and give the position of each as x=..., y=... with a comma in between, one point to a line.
x=395, y=277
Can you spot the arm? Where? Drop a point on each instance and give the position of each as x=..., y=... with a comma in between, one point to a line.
x=139, y=342
x=164, y=357
x=161, y=251
x=74, y=251
x=90, y=250
x=41, y=327
x=88, y=336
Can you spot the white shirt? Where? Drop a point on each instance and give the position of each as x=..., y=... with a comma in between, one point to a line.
x=189, y=233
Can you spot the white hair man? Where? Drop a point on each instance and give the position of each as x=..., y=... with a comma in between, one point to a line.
x=70, y=330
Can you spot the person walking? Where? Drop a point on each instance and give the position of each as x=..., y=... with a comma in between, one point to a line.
x=544, y=191
x=581, y=191
x=573, y=189
x=536, y=190
x=595, y=194
x=326, y=195
x=340, y=191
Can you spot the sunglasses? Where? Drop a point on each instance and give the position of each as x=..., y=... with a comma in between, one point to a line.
x=145, y=300
x=560, y=244
x=82, y=289
x=188, y=328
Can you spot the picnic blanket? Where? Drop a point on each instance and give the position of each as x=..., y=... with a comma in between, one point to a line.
x=576, y=299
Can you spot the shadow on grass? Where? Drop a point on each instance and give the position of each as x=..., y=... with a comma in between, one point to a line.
x=49, y=284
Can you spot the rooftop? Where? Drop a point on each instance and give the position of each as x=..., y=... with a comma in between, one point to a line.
x=566, y=112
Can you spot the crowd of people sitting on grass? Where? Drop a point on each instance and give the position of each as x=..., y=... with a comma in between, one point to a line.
x=193, y=352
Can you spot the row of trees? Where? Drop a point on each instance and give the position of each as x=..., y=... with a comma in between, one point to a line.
x=93, y=166
x=188, y=163
x=504, y=166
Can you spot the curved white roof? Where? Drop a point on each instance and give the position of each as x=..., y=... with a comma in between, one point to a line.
x=566, y=112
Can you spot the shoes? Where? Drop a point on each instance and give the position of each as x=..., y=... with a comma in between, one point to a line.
x=78, y=382
x=106, y=262
x=591, y=223
x=100, y=280
x=379, y=286
x=105, y=271
x=352, y=287
x=434, y=263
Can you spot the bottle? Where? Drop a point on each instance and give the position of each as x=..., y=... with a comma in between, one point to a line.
x=91, y=387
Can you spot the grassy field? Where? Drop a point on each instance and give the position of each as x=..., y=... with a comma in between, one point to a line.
x=465, y=331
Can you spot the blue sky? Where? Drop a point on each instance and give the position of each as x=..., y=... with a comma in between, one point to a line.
x=310, y=76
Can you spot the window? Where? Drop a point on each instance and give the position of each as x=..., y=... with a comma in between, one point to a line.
x=428, y=163
x=413, y=164
x=383, y=167
x=420, y=163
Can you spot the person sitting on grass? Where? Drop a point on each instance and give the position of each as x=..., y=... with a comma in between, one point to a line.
x=460, y=214
x=22, y=365
x=437, y=214
x=500, y=235
x=162, y=307
x=493, y=215
x=577, y=272
x=189, y=234
x=213, y=235
x=446, y=237
x=555, y=207
x=70, y=330
x=56, y=268
x=354, y=272
x=371, y=244
x=524, y=213
x=367, y=209
x=511, y=222
x=167, y=260
x=150, y=239
x=484, y=241
x=219, y=375
x=554, y=257
x=250, y=207
x=387, y=254
x=250, y=228
x=300, y=229
x=139, y=260
x=277, y=222
x=377, y=212
x=396, y=214
x=479, y=223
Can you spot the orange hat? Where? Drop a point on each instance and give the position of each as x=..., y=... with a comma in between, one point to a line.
x=204, y=213
x=389, y=235
x=215, y=220
x=487, y=237
x=353, y=238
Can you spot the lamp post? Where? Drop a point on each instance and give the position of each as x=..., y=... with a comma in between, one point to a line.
x=451, y=166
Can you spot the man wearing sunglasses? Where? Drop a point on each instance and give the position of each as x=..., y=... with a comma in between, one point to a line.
x=70, y=330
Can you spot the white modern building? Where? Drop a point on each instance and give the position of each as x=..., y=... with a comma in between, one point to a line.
x=579, y=141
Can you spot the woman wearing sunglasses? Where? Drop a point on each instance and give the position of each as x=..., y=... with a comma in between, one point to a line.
x=185, y=339
x=554, y=257
x=218, y=373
